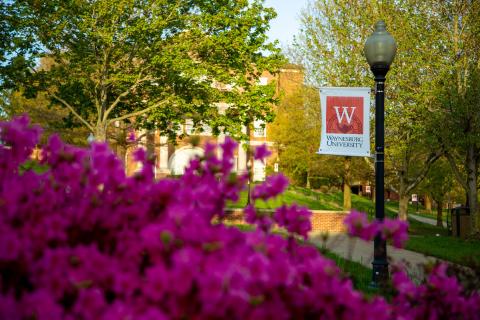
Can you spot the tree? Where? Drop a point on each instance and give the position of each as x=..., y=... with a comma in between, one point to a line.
x=331, y=44
x=456, y=110
x=52, y=118
x=154, y=61
x=438, y=183
x=296, y=130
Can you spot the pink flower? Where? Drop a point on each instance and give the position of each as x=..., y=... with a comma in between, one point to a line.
x=295, y=219
x=395, y=230
x=131, y=136
x=261, y=152
x=261, y=219
x=358, y=226
x=271, y=187
x=390, y=229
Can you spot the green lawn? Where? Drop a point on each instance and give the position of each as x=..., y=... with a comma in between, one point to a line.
x=293, y=195
x=360, y=275
x=434, y=241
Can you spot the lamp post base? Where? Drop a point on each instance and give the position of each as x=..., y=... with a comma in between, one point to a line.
x=379, y=274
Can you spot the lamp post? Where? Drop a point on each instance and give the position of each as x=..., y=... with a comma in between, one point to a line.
x=380, y=49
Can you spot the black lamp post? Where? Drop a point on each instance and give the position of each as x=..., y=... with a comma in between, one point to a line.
x=380, y=49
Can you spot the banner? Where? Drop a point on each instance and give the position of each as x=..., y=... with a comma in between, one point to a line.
x=345, y=121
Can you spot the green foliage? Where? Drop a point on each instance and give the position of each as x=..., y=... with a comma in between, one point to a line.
x=159, y=61
x=296, y=130
x=33, y=165
x=439, y=181
x=52, y=118
x=454, y=112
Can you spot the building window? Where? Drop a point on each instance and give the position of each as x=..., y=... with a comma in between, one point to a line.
x=259, y=129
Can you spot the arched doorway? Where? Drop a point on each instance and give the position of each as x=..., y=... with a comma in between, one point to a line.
x=181, y=158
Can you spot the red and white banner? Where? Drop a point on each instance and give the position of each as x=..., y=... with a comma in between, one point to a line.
x=345, y=121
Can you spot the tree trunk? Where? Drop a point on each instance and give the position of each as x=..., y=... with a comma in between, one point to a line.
x=347, y=190
x=403, y=207
x=439, y=213
x=428, y=203
x=374, y=191
x=151, y=143
x=472, y=188
x=403, y=197
x=101, y=133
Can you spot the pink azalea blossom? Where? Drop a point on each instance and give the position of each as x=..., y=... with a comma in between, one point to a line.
x=393, y=230
x=358, y=226
x=271, y=187
x=261, y=152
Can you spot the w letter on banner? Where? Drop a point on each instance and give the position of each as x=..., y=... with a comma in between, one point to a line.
x=345, y=121
x=345, y=115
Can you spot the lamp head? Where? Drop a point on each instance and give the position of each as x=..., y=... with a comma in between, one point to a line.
x=380, y=47
x=91, y=138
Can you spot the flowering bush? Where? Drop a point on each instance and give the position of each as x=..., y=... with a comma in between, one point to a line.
x=83, y=241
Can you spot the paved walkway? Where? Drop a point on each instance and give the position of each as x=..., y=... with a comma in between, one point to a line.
x=426, y=220
x=362, y=251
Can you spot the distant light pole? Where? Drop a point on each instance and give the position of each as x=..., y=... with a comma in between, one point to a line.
x=91, y=138
x=380, y=49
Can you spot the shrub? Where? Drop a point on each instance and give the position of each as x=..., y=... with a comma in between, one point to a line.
x=83, y=241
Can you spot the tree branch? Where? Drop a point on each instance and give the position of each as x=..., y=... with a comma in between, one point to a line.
x=391, y=187
x=369, y=163
x=125, y=93
x=72, y=110
x=431, y=160
x=137, y=113
x=458, y=176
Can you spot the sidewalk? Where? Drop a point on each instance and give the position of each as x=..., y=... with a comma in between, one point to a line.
x=431, y=221
x=362, y=251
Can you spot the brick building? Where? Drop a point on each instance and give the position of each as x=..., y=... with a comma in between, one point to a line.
x=171, y=159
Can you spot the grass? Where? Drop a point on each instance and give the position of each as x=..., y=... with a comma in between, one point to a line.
x=432, y=214
x=434, y=241
x=290, y=196
x=360, y=275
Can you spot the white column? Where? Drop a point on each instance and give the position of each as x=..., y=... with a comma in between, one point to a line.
x=142, y=143
x=163, y=154
x=242, y=154
x=220, y=140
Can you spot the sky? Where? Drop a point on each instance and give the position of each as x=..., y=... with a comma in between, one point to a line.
x=287, y=22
